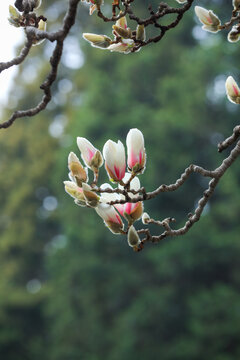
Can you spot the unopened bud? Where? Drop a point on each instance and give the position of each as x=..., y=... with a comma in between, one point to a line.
x=141, y=33
x=15, y=17
x=99, y=41
x=133, y=237
x=210, y=21
x=90, y=196
x=236, y=4
x=96, y=161
x=76, y=169
x=232, y=90
x=125, y=33
x=145, y=218
x=42, y=25
x=234, y=34
x=76, y=192
x=37, y=4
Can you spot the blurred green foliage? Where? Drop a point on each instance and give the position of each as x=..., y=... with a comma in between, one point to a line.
x=69, y=289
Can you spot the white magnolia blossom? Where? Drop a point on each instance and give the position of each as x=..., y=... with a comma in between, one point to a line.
x=232, y=90
x=110, y=217
x=115, y=163
x=209, y=20
x=90, y=155
x=136, y=150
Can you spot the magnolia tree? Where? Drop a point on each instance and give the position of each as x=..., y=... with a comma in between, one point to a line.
x=122, y=205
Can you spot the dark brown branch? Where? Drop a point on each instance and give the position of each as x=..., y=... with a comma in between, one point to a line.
x=230, y=140
x=58, y=36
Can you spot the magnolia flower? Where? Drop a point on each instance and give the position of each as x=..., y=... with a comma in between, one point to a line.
x=99, y=41
x=145, y=218
x=123, y=46
x=232, y=90
x=209, y=20
x=131, y=211
x=121, y=29
x=110, y=217
x=90, y=155
x=234, y=34
x=115, y=164
x=92, y=199
x=136, y=151
x=181, y=1
x=133, y=237
x=140, y=33
x=75, y=191
x=77, y=172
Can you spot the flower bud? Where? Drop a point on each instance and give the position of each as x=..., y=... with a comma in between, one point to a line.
x=209, y=20
x=234, y=34
x=236, y=4
x=75, y=191
x=232, y=90
x=133, y=237
x=122, y=22
x=38, y=3
x=145, y=218
x=96, y=5
x=15, y=17
x=42, y=25
x=123, y=46
x=99, y=41
x=34, y=4
x=90, y=155
x=92, y=199
x=115, y=163
x=110, y=217
x=141, y=33
x=136, y=151
x=78, y=173
x=131, y=211
x=125, y=33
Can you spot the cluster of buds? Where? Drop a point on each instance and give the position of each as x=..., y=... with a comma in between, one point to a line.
x=113, y=205
x=124, y=38
x=18, y=17
x=212, y=23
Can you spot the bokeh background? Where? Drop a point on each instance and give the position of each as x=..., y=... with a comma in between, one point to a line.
x=69, y=289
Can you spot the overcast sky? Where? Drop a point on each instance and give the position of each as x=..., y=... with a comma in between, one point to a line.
x=10, y=37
